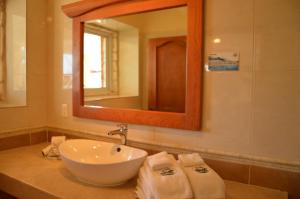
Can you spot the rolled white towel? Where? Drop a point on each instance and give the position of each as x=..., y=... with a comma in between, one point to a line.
x=52, y=151
x=57, y=140
x=205, y=183
x=160, y=184
x=191, y=159
x=159, y=161
x=46, y=150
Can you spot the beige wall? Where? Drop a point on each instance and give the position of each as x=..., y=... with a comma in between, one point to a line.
x=129, y=62
x=254, y=111
x=34, y=114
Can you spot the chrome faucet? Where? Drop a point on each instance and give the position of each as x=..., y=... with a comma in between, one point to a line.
x=122, y=131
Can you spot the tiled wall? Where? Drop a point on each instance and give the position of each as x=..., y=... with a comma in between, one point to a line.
x=254, y=111
x=22, y=138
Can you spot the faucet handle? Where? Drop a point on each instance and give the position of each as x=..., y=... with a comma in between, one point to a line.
x=123, y=127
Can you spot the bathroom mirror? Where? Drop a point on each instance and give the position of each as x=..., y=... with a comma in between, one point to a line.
x=138, y=61
x=12, y=53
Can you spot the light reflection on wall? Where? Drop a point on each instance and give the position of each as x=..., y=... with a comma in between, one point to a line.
x=217, y=40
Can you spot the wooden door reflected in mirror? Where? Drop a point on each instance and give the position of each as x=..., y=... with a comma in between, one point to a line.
x=167, y=74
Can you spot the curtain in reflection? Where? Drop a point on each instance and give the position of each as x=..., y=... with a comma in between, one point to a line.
x=2, y=49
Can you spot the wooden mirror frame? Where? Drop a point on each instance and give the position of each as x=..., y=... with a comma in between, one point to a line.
x=85, y=10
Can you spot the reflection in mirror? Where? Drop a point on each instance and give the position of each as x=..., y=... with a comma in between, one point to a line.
x=12, y=53
x=137, y=61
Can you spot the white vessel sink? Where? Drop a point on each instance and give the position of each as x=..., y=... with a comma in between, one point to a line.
x=101, y=163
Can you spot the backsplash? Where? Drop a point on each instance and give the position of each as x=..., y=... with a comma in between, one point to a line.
x=262, y=172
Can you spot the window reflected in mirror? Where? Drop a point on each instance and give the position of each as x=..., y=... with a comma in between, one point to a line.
x=137, y=61
x=100, y=61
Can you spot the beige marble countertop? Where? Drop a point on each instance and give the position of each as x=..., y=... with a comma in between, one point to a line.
x=25, y=173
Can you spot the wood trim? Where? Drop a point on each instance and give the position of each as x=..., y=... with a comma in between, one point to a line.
x=194, y=62
x=83, y=6
x=3, y=68
x=191, y=119
x=88, y=6
x=77, y=83
x=130, y=7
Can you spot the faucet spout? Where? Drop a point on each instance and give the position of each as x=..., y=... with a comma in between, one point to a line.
x=114, y=132
x=122, y=131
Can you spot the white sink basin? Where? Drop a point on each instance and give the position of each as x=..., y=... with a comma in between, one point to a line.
x=101, y=163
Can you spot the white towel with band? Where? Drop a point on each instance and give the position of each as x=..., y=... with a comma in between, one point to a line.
x=159, y=161
x=157, y=155
x=171, y=183
x=205, y=182
x=191, y=159
x=205, y=185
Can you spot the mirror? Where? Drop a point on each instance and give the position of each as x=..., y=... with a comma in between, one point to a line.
x=138, y=61
x=12, y=53
x=121, y=54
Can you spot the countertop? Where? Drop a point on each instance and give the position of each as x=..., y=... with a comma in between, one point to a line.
x=25, y=173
